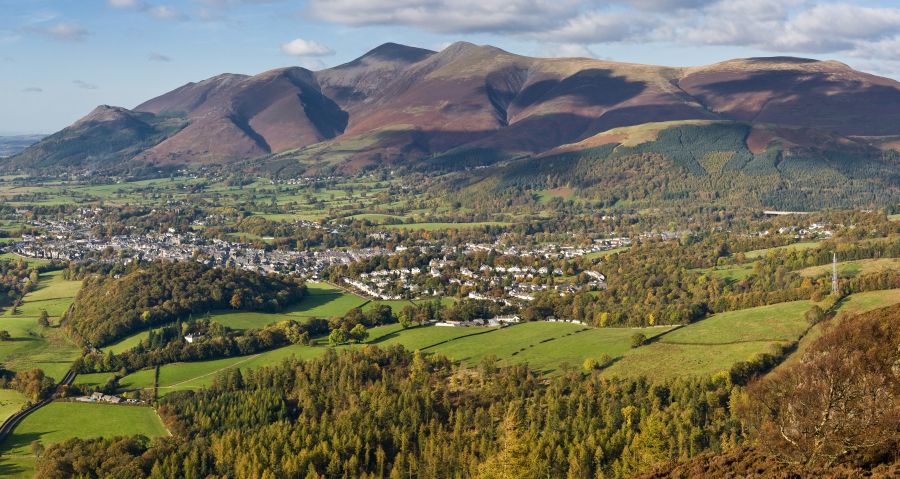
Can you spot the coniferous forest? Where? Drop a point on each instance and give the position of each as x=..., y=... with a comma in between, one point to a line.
x=390, y=413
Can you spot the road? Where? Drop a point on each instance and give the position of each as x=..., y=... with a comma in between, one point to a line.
x=14, y=420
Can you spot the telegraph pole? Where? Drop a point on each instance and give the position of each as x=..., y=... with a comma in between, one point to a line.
x=834, y=276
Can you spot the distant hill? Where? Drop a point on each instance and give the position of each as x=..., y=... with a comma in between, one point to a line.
x=474, y=106
x=14, y=144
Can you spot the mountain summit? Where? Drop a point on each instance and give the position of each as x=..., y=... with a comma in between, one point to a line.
x=400, y=104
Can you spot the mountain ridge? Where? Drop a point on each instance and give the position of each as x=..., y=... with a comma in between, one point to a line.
x=398, y=104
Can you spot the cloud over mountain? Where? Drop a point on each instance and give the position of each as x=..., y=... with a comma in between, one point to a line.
x=783, y=26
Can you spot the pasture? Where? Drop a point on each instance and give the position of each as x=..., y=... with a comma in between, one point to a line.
x=729, y=273
x=59, y=421
x=715, y=344
x=33, y=346
x=544, y=346
x=11, y=401
x=777, y=322
x=446, y=226
x=803, y=245
x=324, y=301
x=853, y=268
x=867, y=301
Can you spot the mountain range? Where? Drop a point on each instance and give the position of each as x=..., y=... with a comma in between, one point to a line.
x=471, y=105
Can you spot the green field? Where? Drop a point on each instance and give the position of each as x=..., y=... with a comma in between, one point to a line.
x=128, y=343
x=862, y=302
x=777, y=322
x=804, y=245
x=730, y=273
x=446, y=226
x=545, y=346
x=33, y=346
x=59, y=421
x=53, y=294
x=714, y=344
x=324, y=301
x=249, y=319
x=193, y=375
x=30, y=261
x=661, y=361
x=854, y=268
x=11, y=401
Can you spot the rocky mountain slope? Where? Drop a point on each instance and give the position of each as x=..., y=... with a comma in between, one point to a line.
x=398, y=104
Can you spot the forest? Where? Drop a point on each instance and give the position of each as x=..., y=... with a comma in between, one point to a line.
x=709, y=163
x=109, y=308
x=391, y=413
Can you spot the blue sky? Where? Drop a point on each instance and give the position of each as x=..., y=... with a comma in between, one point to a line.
x=59, y=59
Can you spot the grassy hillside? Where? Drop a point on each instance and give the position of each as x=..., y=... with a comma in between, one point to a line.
x=33, y=346
x=59, y=421
x=715, y=344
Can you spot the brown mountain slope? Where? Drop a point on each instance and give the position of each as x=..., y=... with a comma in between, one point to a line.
x=106, y=135
x=235, y=117
x=400, y=104
x=796, y=92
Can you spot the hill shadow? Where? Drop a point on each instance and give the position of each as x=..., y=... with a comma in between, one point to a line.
x=591, y=87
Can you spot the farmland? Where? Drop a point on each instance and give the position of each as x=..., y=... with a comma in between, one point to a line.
x=730, y=273
x=59, y=421
x=714, y=344
x=854, y=268
x=544, y=346
x=867, y=301
x=10, y=402
x=446, y=226
x=804, y=245
x=34, y=346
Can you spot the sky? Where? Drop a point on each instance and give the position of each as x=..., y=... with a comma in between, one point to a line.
x=59, y=59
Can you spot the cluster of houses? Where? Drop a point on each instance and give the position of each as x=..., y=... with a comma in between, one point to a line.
x=551, y=251
x=98, y=397
x=495, y=322
x=516, y=282
x=74, y=240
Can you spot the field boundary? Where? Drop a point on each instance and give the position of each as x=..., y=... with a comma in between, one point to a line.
x=12, y=421
x=248, y=358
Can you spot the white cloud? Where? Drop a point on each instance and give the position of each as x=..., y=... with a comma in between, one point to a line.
x=124, y=3
x=84, y=85
x=65, y=31
x=305, y=48
x=600, y=27
x=158, y=57
x=32, y=89
x=779, y=26
x=457, y=16
x=160, y=12
x=570, y=50
x=164, y=12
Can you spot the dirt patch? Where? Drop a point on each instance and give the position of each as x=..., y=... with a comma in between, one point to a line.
x=758, y=139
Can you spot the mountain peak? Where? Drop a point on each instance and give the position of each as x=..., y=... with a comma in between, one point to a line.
x=398, y=52
x=389, y=54
x=106, y=113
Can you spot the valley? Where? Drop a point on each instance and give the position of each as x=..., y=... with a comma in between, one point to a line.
x=449, y=262
x=443, y=283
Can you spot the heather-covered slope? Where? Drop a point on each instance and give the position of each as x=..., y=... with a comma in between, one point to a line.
x=471, y=105
x=104, y=137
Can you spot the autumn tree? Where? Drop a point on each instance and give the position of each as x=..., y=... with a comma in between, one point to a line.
x=840, y=403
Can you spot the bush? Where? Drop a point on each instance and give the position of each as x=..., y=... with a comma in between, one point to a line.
x=638, y=340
